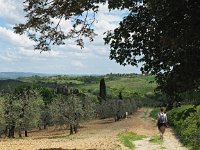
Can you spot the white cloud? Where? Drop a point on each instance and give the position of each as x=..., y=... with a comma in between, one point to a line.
x=36, y=53
x=77, y=63
x=21, y=54
x=5, y=58
x=106, y=20
x=65, y=25
x=12, y=11
x=9, y=56
x=15, y=39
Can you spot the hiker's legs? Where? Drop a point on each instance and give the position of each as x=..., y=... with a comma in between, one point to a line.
x=162, y=131
x=159, y=129
x=161, y=135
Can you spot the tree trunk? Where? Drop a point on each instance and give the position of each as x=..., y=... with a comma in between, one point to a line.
x=76, y=128
x=26, y=133
x=11, y=133
x=71, y=129
x=6, y=131
x=45, y=125
x=39, y=127
x=45, y=122
x=20, y=133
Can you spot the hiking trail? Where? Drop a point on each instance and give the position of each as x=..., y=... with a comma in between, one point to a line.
x=170, y=141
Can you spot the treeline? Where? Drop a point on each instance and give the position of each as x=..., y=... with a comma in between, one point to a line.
x=27, y=107
x=87, y=79
x=121, y=74
x=186, y=121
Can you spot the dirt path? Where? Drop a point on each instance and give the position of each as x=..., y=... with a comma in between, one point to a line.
x=96, y=134
x=170, y=141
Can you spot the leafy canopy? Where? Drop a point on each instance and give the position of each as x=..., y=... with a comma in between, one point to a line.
x=164, y=35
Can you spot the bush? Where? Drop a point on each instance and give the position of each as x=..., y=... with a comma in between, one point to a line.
x=186, y=121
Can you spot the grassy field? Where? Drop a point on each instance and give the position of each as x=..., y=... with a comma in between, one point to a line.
x=129, y=86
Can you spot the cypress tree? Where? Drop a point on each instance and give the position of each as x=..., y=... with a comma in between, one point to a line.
x=102, y=93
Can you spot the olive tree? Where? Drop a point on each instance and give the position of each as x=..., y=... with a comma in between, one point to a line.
x=72, y=109
x=21, y=110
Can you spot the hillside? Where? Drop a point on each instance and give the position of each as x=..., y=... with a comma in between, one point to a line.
x=9, y=84
x=130, y=85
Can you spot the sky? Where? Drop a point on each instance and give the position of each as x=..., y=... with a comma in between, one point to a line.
x=18, y=55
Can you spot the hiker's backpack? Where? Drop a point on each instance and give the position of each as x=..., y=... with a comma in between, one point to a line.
x=162, y=118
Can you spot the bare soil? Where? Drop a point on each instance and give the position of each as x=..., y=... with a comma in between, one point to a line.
x=95, y=134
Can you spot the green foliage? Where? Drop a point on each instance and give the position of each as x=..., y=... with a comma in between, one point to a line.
x=154, y=113
x=21, y=109
x=2, y=119
x=186, y=120
x=28, y=103
x=167, y=41
x=72, y=109
x=9, y=85
x=116, y=107
x=180, y=114
x=130, y=85
x=127, y=139
x=191, y=97
x=156, y=139
x=47, y=95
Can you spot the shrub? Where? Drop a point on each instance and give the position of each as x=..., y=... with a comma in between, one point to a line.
x=186, y=120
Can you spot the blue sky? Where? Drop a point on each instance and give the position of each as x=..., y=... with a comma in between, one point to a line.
x=17, y=54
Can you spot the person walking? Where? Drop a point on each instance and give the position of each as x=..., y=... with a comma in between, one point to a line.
x=162, y=122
